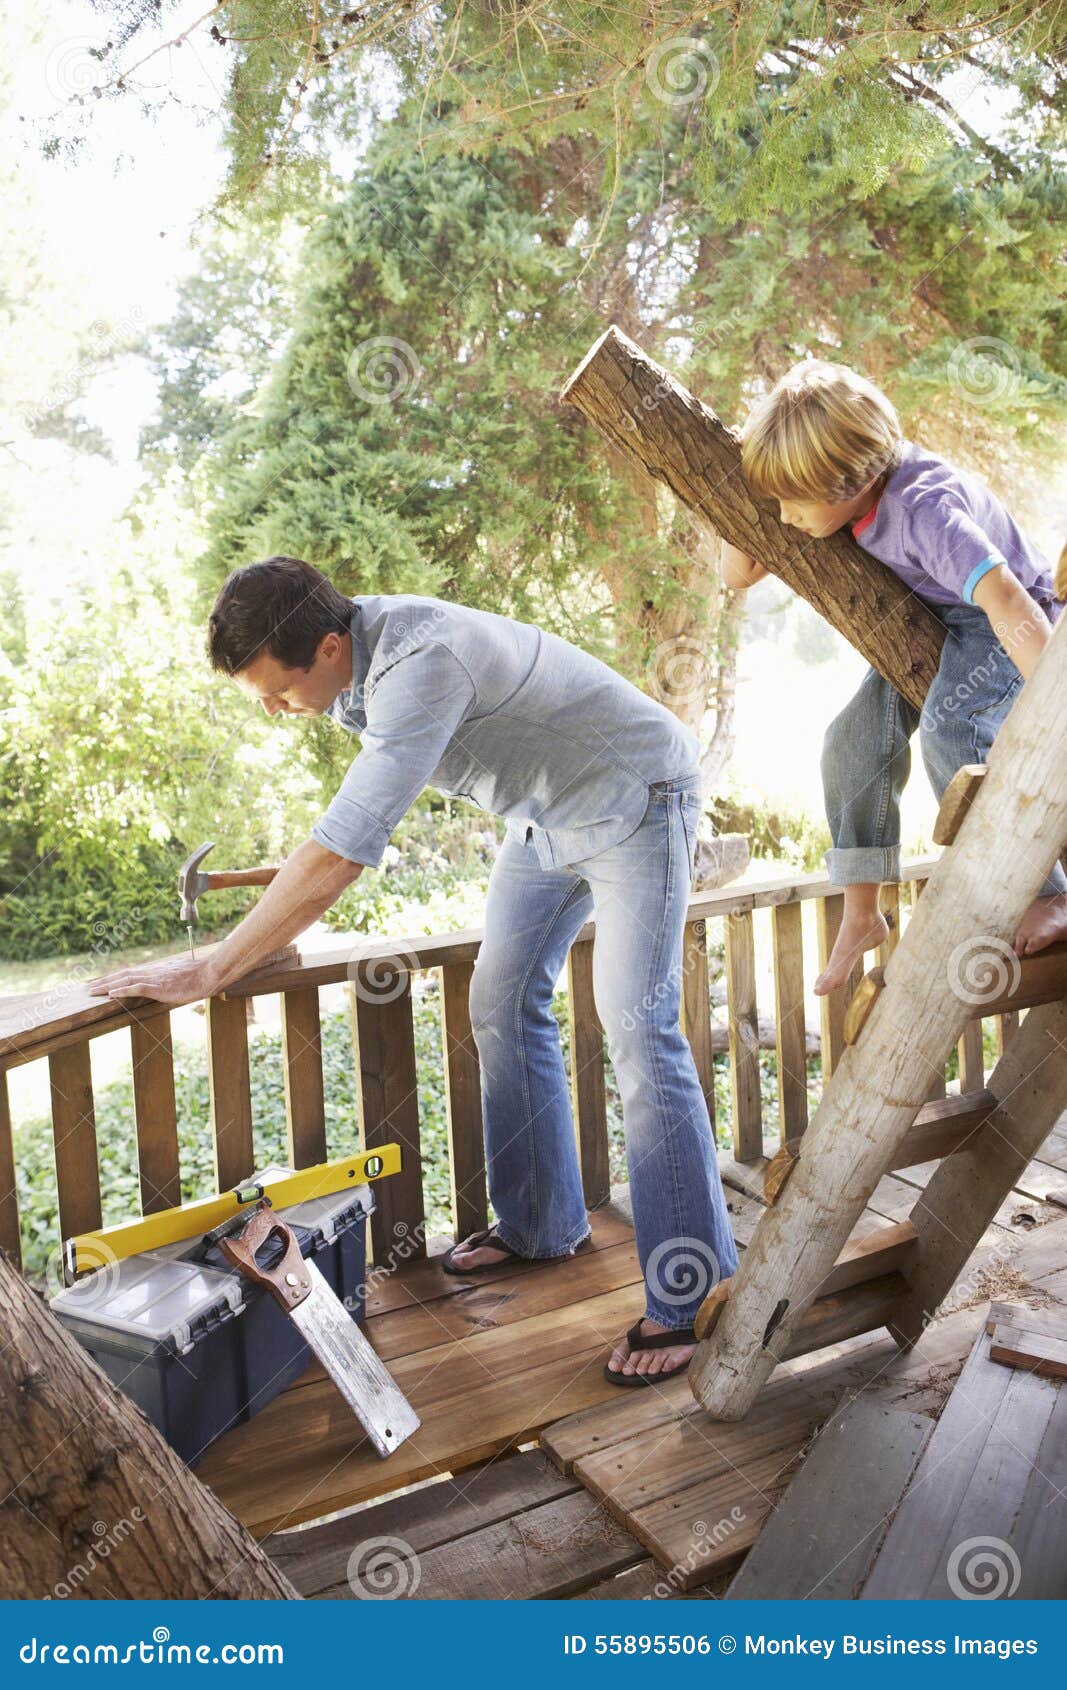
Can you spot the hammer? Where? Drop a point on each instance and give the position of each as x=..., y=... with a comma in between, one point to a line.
x=192, y=881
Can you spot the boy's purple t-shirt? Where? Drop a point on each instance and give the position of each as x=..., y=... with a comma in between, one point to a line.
x=941, y=530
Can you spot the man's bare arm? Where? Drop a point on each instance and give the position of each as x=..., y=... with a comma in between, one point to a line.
x=308, y=882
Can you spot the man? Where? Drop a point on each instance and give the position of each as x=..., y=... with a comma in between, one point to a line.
x=600, y=789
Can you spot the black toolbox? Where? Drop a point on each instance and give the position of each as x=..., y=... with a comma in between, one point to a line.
x=195, y=1345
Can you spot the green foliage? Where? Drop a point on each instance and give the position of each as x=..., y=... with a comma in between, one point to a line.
x=119, y=752
x=531, y=76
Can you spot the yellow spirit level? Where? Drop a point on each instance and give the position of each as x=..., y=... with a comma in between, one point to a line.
x=89, y=1250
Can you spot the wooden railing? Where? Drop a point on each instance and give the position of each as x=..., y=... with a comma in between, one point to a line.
x=58, y=1027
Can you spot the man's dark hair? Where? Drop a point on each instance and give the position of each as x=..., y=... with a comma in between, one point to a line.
x=281, y=608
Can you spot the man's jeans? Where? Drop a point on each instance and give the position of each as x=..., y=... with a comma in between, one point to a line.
x=867, y=751
x=638, y=892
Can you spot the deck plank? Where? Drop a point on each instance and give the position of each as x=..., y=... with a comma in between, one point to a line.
x=316, y=1558
x=978, y=1479
x=822, y=1538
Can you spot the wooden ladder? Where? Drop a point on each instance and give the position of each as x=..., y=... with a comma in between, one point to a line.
x=1003, y=826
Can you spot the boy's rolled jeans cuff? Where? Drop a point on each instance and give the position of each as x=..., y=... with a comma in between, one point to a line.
x=862, y=865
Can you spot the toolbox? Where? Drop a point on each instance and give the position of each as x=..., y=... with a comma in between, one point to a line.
x=195, y=1345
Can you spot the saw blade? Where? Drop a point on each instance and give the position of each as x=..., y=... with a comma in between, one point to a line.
x=373, y=1396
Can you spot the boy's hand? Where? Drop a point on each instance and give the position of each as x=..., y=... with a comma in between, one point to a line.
x=738, y=570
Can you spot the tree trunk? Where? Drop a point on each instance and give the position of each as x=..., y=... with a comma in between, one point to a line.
x=660, y=426
x=955, y=953
x=95, y=1503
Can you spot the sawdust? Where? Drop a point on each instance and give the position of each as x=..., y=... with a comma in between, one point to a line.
x=1001, y=1284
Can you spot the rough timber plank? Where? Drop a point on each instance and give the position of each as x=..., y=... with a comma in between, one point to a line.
x=821, y=1539
x=316, y=1558
x=1034, y=1352
x=987, y=1472
x=547, y=1552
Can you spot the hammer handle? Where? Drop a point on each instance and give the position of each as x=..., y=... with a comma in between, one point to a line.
x=239, y=877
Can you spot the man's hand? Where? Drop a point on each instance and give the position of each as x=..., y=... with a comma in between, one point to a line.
x=175, y=980
x=305, y=886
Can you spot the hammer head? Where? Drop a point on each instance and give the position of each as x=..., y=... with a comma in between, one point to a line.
x=191, y=882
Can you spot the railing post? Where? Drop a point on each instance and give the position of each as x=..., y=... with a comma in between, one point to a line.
x=155, y=1112
x=305, y=1101
x=463, y=1102
x=231, y=1090
x=696, y=1009
x=384, y=1035
x=588, y=1095
x=74, y=1132
x=791, y=1044
x=744, y=1037
x=10, y=1239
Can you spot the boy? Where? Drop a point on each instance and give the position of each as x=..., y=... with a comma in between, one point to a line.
x=828, y=445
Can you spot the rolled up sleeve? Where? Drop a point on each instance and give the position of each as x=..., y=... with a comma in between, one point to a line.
x=412, y=712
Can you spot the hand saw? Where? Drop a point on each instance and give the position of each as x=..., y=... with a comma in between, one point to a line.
x=328, y=1329
x=190, y=1220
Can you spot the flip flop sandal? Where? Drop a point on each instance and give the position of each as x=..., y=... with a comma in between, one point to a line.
x=636, y=1340
x=478, y=1241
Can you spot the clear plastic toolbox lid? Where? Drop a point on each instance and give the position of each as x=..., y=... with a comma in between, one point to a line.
x=152, y=1298
x=156, y=1298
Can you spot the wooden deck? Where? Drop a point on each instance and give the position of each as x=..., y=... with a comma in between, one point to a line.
x=629, y=1494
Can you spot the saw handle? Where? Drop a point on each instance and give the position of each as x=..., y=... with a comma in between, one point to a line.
x=288, y=1281
x=221, y=877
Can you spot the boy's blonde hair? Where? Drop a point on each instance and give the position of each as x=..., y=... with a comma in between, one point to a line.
x=821, y=435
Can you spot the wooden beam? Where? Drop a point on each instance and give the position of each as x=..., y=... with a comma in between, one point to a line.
x=975, y=897
x=662, y=429
x=959, y=795
x=790, y=1033
x=1029, y=1085
x=888, y=1250
x=1033, y=1352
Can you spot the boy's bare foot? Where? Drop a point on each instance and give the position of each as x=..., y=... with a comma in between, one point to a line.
x=1045, y=923
x=856, y=935
x=624, y=1360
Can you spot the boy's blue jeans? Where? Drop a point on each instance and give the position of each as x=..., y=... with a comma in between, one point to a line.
x=867, y=750
x=638, y=891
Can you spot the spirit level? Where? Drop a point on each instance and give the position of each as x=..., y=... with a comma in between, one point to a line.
x=89, y=1250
